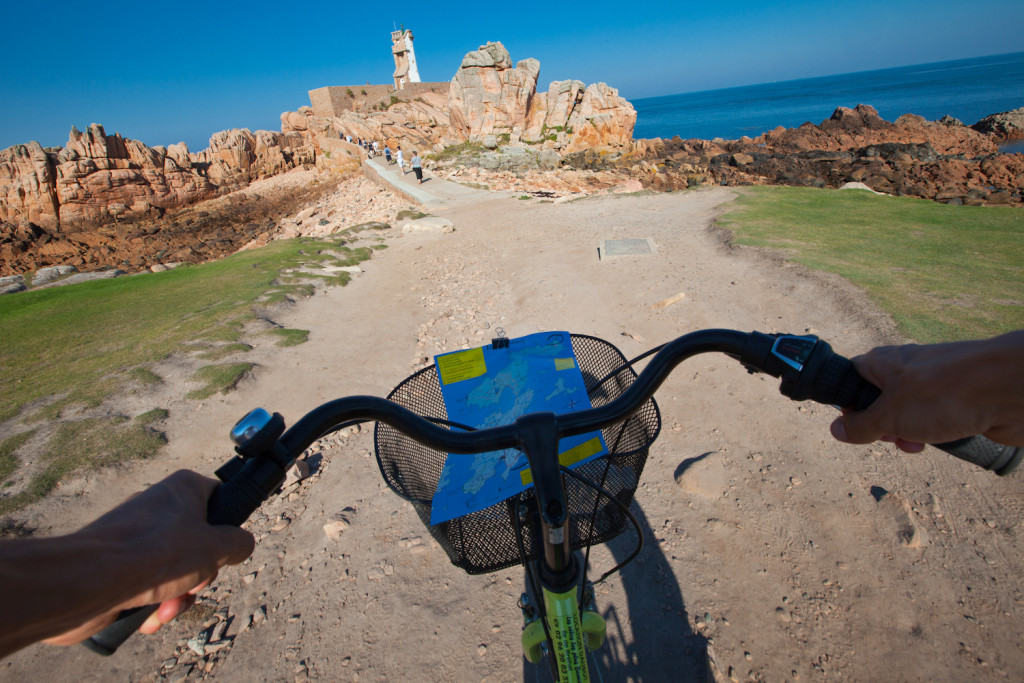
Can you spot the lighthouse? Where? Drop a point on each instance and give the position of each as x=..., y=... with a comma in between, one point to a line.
x=405, y=58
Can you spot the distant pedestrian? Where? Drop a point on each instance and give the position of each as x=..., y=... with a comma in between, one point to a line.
x=398, y=158
x=417, y=166
x=387, y=154
x=376, y=149
x=348, y=138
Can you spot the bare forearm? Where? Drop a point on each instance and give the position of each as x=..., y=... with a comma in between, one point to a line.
x=52, y=585
x=157, y=547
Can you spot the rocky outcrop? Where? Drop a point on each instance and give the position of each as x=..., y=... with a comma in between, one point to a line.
x=1008, y=125
x=942, y=161
x=98, y=178
x=490, y=97
x=862, y=126
x=101, y=178
x=27, y=188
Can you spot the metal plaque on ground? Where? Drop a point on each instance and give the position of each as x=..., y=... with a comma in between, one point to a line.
x=626, y=247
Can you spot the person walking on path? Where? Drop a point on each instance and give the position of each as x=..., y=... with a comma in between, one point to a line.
x=417, y=166
x=387, y=154
x=398, y=159
x=376, y=148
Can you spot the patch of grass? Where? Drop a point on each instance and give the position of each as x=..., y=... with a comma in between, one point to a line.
x=371, y=225
x=145, y=376
x=220, y=352
x=96, y=332
x=943, y=272
x=454, y=152
x=411, y=214
x=8, y=448
x=290, y=337
x=152, y=416
x=89, y=443
x=222, y=378
x=525, y=196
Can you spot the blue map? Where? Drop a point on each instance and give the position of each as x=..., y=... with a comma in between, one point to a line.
x=487, y=387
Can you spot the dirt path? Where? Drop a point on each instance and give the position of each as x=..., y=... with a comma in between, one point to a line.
x=794, y=557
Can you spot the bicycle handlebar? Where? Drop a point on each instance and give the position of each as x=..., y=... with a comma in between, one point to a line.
x=807, y=366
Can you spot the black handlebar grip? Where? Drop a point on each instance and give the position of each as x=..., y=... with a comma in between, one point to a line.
x=837, y=382
x=231, y=503
x=985, y=453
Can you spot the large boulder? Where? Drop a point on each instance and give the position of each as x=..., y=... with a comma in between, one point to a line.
x=27, y=188
x=1008, y=125
x=490, y=97
x=602, y=119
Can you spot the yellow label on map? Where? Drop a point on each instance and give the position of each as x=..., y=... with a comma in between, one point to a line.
x=456, y=367
x=564, y=364
x=569, y=458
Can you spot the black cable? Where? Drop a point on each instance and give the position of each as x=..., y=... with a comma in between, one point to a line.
x=628, y=364
x=597, y=498
x=625, y=511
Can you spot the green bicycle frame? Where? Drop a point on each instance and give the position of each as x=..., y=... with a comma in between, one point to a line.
x=561, y=576
x=571, y=636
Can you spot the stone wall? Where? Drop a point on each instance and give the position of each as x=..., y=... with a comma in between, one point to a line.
x=335, y=99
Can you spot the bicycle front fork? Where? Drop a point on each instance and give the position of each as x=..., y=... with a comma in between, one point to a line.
x=570, y=630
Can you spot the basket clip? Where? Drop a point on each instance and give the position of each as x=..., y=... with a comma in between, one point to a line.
x=501, y=341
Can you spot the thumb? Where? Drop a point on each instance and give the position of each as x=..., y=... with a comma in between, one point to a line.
x=235, y=544
x=854, y=428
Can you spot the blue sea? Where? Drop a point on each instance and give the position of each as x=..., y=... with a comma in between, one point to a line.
x=968, y=89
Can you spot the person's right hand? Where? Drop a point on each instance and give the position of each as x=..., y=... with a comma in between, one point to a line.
x=941, y=392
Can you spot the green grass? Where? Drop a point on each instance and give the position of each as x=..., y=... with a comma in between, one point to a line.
x=223, y=351
x=145, y=376
x=290, y=337
x=411, y=214
x=943, y=272
x=84, y=342
x=222, y=378
x=454, y=152
x=88, y=443
x=8, y=449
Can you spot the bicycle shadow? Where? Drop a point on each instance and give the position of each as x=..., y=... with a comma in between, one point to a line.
x=662, y=646
x=658, y=643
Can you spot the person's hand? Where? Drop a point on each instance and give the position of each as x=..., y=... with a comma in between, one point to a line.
x=155, y=548
x=178, y=553
x=941, y=392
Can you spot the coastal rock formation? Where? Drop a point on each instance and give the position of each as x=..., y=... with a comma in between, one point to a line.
x=942, y=161
x=490, y=97
x=101, y=178
x=27, y=188
x=1008, y=125
x=862, y=126
x=98, y=178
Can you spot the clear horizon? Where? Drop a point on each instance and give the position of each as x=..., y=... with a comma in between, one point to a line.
x=150, y=74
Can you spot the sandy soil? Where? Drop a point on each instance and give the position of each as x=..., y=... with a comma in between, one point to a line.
x=794, y=557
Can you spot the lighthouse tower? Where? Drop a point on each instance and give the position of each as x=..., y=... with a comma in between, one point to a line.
x=405, y=58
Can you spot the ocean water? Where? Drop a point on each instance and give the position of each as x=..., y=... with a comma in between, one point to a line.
x=968, y=89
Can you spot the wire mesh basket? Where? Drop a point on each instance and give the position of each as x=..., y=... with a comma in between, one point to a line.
x=485, y=541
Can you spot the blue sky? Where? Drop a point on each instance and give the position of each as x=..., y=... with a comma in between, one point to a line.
x=166, y=72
